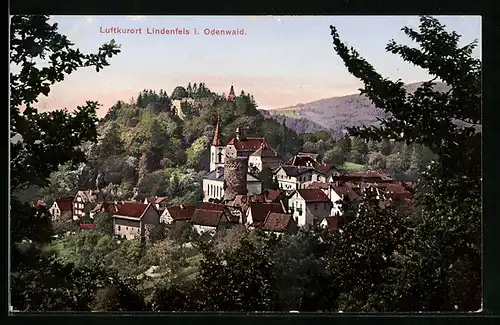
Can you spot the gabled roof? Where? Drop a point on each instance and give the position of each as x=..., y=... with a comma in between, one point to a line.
x=218, y=175
x=265, y=152
x=209, y=218
x=319, y=185
x=88, y=196
x=294, y=171
x=181, y=212
x=334, y=222
x=272, y=195
x=261, y=210
x=131, y=210
x=278, y=222
x=108, y=207
x=248, y=144
x=313, y=195
x=212, y=206
x=65, y=203
x=156, y=199
x=346, y=190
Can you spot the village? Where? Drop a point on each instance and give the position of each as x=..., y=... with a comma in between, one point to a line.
x=309, y=194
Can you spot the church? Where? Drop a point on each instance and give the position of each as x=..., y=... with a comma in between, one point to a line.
x=257, y=155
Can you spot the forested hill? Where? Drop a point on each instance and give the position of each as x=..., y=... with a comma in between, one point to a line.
x=144, y=143
x=335, y=114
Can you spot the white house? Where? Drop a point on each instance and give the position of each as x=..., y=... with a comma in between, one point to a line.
x=309, y=206
x=291, y=178
x=62, y=208
x=264, y=157
x=337, y=192
x=213, y=185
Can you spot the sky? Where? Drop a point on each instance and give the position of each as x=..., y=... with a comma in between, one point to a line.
x=281, y=60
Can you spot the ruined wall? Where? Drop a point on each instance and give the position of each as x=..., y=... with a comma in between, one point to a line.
x=235, y=176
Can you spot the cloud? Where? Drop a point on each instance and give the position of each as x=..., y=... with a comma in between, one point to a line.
x=136, y=17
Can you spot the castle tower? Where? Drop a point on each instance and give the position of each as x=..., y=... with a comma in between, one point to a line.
x=235, y=177
x=231, y=95
x=217, y=152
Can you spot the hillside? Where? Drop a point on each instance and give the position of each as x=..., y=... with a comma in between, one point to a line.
x=336, y=113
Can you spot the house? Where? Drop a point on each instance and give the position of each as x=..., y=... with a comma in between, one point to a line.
x=84, y=201
x=106, y=207
x=160, y=202
x=271, y=196
x=333, y=222
x=233, y=212
x=279, y=223
x=242, y=203
x=209, y=220
x=241, y=146
x=257, y=213
x=264, y=157
x=291, y=178
x=135, y=220
x=62, y=208
x=311, y=160
x=177, y=213
x=309, y=206
x=213, y=185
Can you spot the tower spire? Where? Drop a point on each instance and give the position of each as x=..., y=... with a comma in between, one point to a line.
x=216, y=141
x=231, y=95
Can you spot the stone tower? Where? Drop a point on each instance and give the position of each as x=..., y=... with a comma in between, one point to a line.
x=235, y=177
x=217, y=153
x=231, y=95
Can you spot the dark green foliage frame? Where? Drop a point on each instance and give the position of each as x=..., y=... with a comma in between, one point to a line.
x=490, y=29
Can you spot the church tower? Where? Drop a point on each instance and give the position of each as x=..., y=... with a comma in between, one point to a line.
x=231, y=95
x=217, y=150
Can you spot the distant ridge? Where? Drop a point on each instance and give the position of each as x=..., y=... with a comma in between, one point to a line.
x=335, y=114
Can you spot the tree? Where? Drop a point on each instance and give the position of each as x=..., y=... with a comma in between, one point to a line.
x=33, y=134
x=376, y=161
x=359, y=150
x=32, y=38
x=179, y=93
x=452, y=198
x=104, y=223
x=268, y=180
x=334, y=156
x=385, y=147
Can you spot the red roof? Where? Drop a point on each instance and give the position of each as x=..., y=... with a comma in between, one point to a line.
x=248, y=144
x=346, y=190
x=217, y=141
x=334, y=222
x=133, y=210
x=319, y=185
x=208, y=218
x=181, y=212
x=278, y=222
x=313, y=195
x=212, y=206
x=261, y=210
x=65, y=203
x=272, y=195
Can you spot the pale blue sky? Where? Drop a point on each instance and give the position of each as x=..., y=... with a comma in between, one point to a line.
x=282, y=60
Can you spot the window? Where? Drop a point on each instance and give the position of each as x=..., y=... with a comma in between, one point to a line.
x=126, y=228
x=315, y=206
x=119, y=228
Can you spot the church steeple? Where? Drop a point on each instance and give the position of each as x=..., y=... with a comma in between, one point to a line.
x=216, y=141
x=231, y=95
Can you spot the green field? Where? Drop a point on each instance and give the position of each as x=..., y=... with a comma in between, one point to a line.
x=353, y=167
